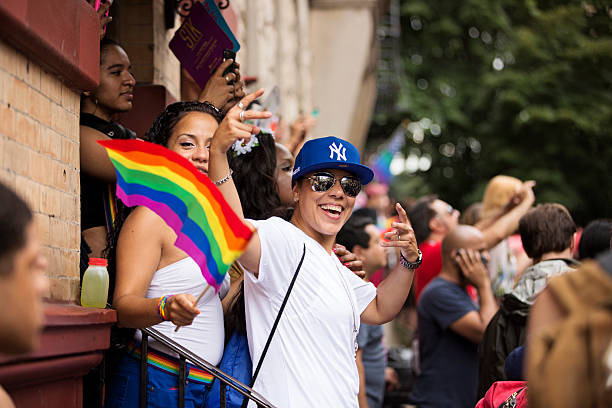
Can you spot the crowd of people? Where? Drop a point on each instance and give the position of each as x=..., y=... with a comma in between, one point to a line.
x=492, y=290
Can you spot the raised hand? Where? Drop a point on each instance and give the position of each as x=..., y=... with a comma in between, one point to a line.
x=219, y=89
x=233, y=128
x=471, y=265
x=104, y=19
x=402, y=236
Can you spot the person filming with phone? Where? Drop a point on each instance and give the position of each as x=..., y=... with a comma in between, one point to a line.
x=451, y=326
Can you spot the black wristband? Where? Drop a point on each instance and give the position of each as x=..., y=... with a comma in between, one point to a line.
x=411, y=265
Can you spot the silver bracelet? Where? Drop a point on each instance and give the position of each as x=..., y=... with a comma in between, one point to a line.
x=224, y=179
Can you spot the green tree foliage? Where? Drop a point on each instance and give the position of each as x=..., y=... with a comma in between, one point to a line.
x=520, y=87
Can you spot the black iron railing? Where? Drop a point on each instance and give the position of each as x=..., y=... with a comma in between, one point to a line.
x=184, y=355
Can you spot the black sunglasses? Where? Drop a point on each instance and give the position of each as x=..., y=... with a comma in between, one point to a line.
x=322, y=181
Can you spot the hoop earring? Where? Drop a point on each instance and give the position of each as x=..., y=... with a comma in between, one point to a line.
x=95, y=103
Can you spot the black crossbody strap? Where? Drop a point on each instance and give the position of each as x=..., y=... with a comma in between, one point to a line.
x=278, y=316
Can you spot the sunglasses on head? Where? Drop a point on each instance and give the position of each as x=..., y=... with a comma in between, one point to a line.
x=323, y=181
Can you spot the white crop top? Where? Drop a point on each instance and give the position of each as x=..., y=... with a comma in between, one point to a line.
x=205, y=336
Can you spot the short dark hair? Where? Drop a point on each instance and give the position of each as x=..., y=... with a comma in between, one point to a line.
x=353, y=233
x=546, y=228
x=367, y=213
x=595, y=239
x=15, y=216
x=106, y=43
x=420, y=215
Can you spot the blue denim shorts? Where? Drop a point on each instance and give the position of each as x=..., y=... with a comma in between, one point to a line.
x=123, y=388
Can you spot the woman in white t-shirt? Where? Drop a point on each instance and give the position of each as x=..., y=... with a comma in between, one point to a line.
x=311, y=359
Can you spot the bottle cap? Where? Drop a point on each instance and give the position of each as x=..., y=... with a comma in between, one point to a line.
x=98, y=262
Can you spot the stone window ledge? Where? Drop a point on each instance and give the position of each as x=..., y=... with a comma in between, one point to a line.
x=59, y=35
x=71, y=344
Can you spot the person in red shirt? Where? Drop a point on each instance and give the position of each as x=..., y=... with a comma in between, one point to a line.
x=432, y=219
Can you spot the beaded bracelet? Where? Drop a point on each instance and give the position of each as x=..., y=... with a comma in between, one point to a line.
x=161, y=307
x=225, y=179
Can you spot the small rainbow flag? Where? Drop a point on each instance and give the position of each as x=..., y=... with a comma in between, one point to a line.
x=207, y=228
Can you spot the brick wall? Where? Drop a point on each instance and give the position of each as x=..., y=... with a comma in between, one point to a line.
x=39, y=151
x=140, y=29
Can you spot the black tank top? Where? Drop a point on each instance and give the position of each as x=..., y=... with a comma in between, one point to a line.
x=95, y=193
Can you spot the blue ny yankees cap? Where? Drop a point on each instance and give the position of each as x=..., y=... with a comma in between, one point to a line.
x=330, y=153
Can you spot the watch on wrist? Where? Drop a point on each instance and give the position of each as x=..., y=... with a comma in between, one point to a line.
x=411, y=265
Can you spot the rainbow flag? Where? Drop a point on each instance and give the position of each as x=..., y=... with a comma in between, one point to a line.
x=207, y=228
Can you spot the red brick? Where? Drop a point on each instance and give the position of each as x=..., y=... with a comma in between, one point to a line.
x=62, y=290
x=16, y=157
x=26, y=131
x=30, y=72
x=75, y=236
x=8, y=58
x=7, y=121
x=69, y=206
x=50, y=201
x=7, y=177
x=70, y=152
x=60, y=176
x=17, y=94
x=42, y=225
x=40, y=107
x=40, y=168
x=74, y=182
x=51, y=87
x=59, y=232
x=72, y=125
x=58, y=119
x=29, y=190
x=71, y=260
x=6, y=81
x=51, y=143
x=53, y=260
x=70, y=100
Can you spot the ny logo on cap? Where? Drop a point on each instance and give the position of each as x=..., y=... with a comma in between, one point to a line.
x=339, y=150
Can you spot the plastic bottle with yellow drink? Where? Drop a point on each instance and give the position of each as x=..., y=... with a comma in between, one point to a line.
x=94, y=288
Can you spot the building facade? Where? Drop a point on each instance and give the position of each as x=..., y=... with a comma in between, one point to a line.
x=320, y=54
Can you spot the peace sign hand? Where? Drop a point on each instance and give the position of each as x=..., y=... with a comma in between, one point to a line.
x=233, y=128
x=402, y=236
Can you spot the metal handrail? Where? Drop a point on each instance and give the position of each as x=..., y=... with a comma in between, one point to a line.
x=185, y=354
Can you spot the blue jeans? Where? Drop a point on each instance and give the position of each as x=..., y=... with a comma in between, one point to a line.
x=123, y=389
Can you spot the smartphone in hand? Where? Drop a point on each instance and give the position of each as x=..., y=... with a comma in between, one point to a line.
x=229, y=54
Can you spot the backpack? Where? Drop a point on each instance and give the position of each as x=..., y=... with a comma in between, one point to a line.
x=569, y=363
x=505, y=332
x=505, y=394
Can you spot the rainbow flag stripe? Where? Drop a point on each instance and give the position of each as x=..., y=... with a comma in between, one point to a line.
x=207, y=228
x=171, y=366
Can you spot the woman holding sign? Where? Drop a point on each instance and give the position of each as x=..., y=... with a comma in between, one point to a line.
x=157, y=283
x=311, y=359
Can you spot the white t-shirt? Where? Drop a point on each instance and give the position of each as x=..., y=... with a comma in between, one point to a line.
x=311, y=360
x=205, y=336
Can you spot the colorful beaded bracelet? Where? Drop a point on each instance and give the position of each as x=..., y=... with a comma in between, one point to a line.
x=161, y=307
